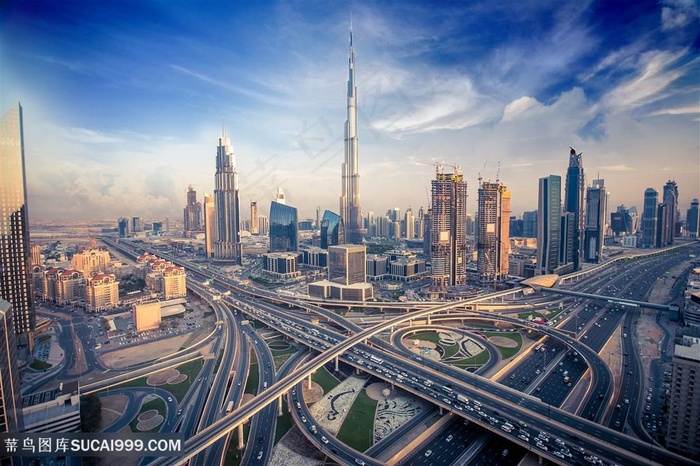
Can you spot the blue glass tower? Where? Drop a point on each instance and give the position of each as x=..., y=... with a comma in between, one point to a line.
x=332, y=230
x=283, y=228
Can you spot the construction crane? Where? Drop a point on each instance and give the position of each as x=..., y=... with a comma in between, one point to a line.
x=438, y=166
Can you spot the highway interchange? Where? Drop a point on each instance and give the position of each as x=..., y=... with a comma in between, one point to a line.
x=518, y=397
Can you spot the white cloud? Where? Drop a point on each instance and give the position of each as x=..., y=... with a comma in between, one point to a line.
x=651, y=82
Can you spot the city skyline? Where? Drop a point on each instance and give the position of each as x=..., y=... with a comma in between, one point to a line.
x=124, y=103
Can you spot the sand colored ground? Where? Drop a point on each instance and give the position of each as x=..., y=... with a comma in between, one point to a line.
x=313, y=394
x=149, y=419
x=143, y=352
x=503, y=342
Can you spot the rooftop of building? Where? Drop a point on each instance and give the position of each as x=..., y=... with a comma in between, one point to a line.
x=688, y=349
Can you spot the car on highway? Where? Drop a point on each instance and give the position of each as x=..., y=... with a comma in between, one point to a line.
x=449, y=438
x=428, y=453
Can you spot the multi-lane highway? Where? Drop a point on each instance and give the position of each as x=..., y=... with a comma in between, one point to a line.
x=491, y=395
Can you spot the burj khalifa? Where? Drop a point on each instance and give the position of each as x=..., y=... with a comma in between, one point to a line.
x=350, y=209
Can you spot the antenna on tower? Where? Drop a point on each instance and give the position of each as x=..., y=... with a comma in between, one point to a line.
x=498, y=171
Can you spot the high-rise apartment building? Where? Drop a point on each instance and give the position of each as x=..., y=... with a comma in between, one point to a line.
x=254, y=228
x=332, y=230
x=692, y=219
x=209, y=226
x=682, y=427
x=10, y=409
x=227, y=246
x=192, y=213
x=263, y=225
x=346, y=264
x=410, y=228
x=573, y=203
x=350, y=209
x=102, y=292
x=548, y=224
x=15, y=271
x=448, y=235
x=91, y=261
x=649, y=218
x=284, y=228
x=492, y=241
x=670, y=199
x=595, y=222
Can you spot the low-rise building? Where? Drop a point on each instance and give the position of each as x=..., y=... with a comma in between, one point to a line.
x=102, y=292
x=147, y=316
x=56, y=410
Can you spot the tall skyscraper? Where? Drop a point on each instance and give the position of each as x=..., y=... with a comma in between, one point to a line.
x=226, y=200
x=649, y=218
x=573, y=203
x=692, y=219
x=10, y=408
x=595, y=222
x=15, y=271
x=448, y=234
x=253, y=217
x=682, y=427
x=671, y=213
x=492, y=241
x=350, y=209
x=263, y=225
x=284, y=229
x=548, y=224
x=123, y=225
x=209, y=225
x=192, y=212
x=409, y=220
x=332, y=230
x=621, y=221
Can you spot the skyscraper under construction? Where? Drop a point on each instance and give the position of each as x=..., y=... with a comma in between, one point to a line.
x=492, y=240
x=448, y=231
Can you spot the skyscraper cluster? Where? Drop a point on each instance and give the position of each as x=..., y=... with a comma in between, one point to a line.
x=660, y=221
x=573, y=232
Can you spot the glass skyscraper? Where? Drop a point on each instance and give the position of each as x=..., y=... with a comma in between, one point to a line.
x=573, y=203
x=15, y=281
x=10, y=409
x=649, y=218
x=283, y=228
x=332, y=230
x=549, y=224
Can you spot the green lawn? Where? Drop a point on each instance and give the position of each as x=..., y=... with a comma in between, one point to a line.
x=39, y=365
x=425, y=336
x=477, y=360
x=358, y=426
x=284, y=422
x=325, y=380
x=251, y=385
x=179, y=390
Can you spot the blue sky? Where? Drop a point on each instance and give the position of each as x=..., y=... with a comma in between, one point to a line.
x=124, y=100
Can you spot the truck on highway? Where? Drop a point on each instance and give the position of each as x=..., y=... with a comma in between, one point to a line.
x=229, y=407
x=463, y=398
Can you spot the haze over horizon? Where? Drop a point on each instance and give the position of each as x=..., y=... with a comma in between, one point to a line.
x=124, y=102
